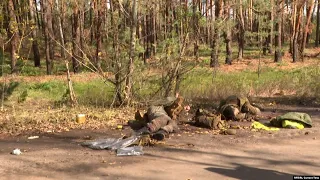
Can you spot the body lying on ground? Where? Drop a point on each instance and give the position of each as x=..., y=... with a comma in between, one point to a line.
x=238, y=108
x=232, y=108
x=161, y=119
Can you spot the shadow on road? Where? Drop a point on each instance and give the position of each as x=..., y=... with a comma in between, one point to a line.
x=250, y=173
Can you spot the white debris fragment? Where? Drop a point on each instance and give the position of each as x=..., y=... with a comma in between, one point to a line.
x=33, y=137
x=16, y=152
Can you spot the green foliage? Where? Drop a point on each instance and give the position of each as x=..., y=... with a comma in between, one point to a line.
x=6, y=90
x=31, y=71
x=50, y=91
x=23, y=96
x=95, y=93
x=46, y=86
x=202, y=84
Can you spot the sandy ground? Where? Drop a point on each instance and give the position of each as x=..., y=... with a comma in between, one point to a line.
x=186, y=155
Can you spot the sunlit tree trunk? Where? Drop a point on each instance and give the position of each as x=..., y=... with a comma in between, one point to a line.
x=278, y=52
x=13, y=35
x=241, y=27
x=195, y=29
x=133, y=30
x=49, y=64
x=75, y=39
x=227, y=34
x=214, y=61
x=307, y=28
x=35, y=47
x=318, y=25
x=60, y=29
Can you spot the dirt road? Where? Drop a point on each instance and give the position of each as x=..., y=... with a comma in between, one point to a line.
x=188, y=155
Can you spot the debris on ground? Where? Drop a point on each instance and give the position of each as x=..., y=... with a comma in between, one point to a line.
x=130, y=151
x=120, y=145
x=119, y=126
x=81, y=118
x=111, y=143
x=33, y=137
x=16, y=152
x=257, y=125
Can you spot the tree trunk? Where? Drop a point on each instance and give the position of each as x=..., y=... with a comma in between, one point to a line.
x=241, y=26
x=278, y=52
x=133, y=30
x=318, y=26
x=60, y=29
x=195, y=29
x=296, y=54
x=92, y=14
x=44, y=7
x=270, y=36
x=37, y=16
x=154, y=32
x=75, y=39
x=115, y=30
x=227, y=34
x=307, y=27
x=311, y=26
x=35, y=47
x=50, y=28
x=98, y=22
x=13, y=35
x=214, y=61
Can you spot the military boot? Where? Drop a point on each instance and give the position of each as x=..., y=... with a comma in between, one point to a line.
x=144, y=130
x=160, y=135
x=138, y=116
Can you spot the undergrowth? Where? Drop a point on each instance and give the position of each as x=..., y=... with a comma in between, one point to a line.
x=200, y=83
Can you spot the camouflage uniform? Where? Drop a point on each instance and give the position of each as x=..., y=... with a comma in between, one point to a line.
x=206, y=119
x=161, y=118
x=237, y=108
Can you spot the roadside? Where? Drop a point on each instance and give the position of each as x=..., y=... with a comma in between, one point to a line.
x=193, y=153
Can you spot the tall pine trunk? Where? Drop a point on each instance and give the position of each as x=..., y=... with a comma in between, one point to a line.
x=60, y=29
x=35, y=47
x=278, y=52
x=75, y=39
x=195, y=29
x=133, y=30
x=316, y=43
x=228, y=35
x=215, y=42
x=13, y=35
x=44, y=7
x=241, y=27
x=310, y=5
x=98, y=19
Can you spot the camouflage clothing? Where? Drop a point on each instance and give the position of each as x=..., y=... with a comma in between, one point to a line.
x=237, y=108
x=206, y=119
x=159, y=119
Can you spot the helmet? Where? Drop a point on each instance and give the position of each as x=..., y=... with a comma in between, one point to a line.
x=293, y=116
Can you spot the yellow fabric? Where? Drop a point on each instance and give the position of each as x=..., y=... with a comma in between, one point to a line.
x=293, y=124
x=258, y=125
